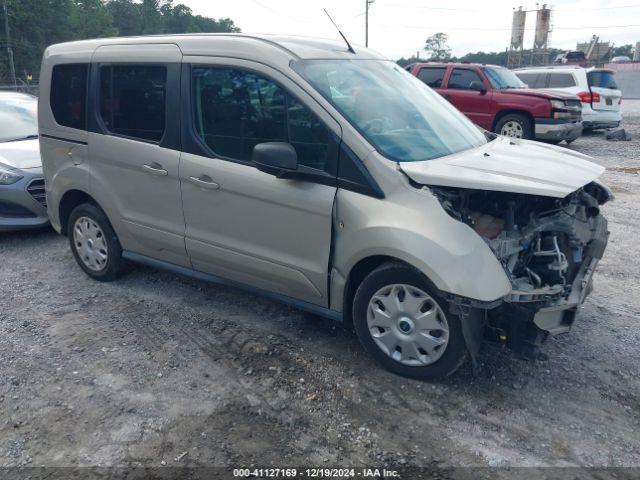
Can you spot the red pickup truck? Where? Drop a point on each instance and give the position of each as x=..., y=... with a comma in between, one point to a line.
x=496, y=99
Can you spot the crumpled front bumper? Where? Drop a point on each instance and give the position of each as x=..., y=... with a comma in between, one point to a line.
x=558, y=316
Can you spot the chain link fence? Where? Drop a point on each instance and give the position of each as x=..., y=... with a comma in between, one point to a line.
x=24, y=85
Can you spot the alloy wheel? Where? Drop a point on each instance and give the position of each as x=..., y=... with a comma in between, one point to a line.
x=512, y=129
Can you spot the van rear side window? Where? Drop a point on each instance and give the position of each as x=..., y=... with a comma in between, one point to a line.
x=132, y=100
x=68, y=96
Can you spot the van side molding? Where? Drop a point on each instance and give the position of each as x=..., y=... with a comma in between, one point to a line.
x=215, y=279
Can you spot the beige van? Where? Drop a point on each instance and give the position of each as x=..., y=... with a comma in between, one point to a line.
x=327, y=178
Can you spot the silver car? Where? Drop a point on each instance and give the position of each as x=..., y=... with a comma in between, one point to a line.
x=22, y=193
x=325, y=177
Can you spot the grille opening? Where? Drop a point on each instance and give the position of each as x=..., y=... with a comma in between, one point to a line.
x=36, y=190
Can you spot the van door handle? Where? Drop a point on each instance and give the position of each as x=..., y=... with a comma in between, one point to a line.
x=205, y=181
x=155, y=169
x=447, y=96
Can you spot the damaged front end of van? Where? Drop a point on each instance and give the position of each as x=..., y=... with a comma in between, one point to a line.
x=544, y=226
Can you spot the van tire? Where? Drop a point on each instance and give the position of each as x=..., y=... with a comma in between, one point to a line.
x=516, y=121
x=114, y=265
x=386, y=276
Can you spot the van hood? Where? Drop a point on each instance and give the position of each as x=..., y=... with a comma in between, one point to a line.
x=546, y=93
x=21, y=154
x=509, y=165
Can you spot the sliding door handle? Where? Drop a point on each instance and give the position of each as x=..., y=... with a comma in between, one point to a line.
x=205, y=181
x=155, y=169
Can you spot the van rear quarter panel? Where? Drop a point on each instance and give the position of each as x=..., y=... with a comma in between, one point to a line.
x=64, y=150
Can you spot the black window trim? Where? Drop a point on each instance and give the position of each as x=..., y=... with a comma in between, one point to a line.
x=327, y=176
x=360, y=182
x=87, y=88
x=453, y=69
x=169, y=139
x=444, y=74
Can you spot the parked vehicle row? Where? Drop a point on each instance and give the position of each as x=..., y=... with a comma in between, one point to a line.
x=327, y=178
x=543, y=103
x=497, y=100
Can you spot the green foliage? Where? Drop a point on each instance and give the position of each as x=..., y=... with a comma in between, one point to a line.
x=90, y=18
x=489, y=58
x=437, y=47
x=34, y=24
x=500, y=58
x=404, y=62
x=623, y=50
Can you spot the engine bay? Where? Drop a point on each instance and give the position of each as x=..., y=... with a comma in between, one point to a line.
x=541, y=241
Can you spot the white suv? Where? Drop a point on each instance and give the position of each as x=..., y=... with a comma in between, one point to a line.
x=596, y=87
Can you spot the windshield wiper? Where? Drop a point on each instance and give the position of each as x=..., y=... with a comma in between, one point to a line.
x=26, y=137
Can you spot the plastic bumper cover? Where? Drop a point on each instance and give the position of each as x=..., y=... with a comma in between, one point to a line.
x=548, y=129
x=19, y=208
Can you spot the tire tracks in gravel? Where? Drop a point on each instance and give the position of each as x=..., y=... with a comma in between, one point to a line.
x=239, y=349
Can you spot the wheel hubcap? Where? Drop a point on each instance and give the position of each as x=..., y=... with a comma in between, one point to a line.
x=90, y=244
x=405, y=325
x=512, y=129
x=408, y=325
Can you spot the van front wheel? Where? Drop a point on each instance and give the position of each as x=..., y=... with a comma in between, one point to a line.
x=94, y=244
x=402, y=321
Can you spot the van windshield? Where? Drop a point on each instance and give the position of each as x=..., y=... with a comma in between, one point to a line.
x=398, y=114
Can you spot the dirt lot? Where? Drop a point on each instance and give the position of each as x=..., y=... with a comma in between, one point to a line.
x=140, y=371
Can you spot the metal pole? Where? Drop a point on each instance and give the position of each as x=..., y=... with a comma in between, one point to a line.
x=12, y=67
x=366, y=24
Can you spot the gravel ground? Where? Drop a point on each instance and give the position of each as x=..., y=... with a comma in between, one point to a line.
x=156, y=370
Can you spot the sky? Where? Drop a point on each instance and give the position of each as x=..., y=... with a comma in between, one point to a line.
x=399, y=28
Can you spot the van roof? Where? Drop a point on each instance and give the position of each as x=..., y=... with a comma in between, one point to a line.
x=223, y=44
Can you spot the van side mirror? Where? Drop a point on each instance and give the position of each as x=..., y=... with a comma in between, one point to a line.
x=478, y=86
x=275, y=158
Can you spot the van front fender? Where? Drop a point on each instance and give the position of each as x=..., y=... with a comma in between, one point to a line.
x=449, y=253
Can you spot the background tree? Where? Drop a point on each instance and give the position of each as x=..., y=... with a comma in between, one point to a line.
x=437, y=47
x=151, y=17
x=626, y=50
x=90, y=18
x=34, y=24
x=127, y=17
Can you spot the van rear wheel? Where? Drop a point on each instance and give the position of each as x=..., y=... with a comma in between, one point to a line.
x=402, y=321
x=94, y=243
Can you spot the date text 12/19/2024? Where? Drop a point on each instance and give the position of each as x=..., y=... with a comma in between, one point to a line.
x=315, y=473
